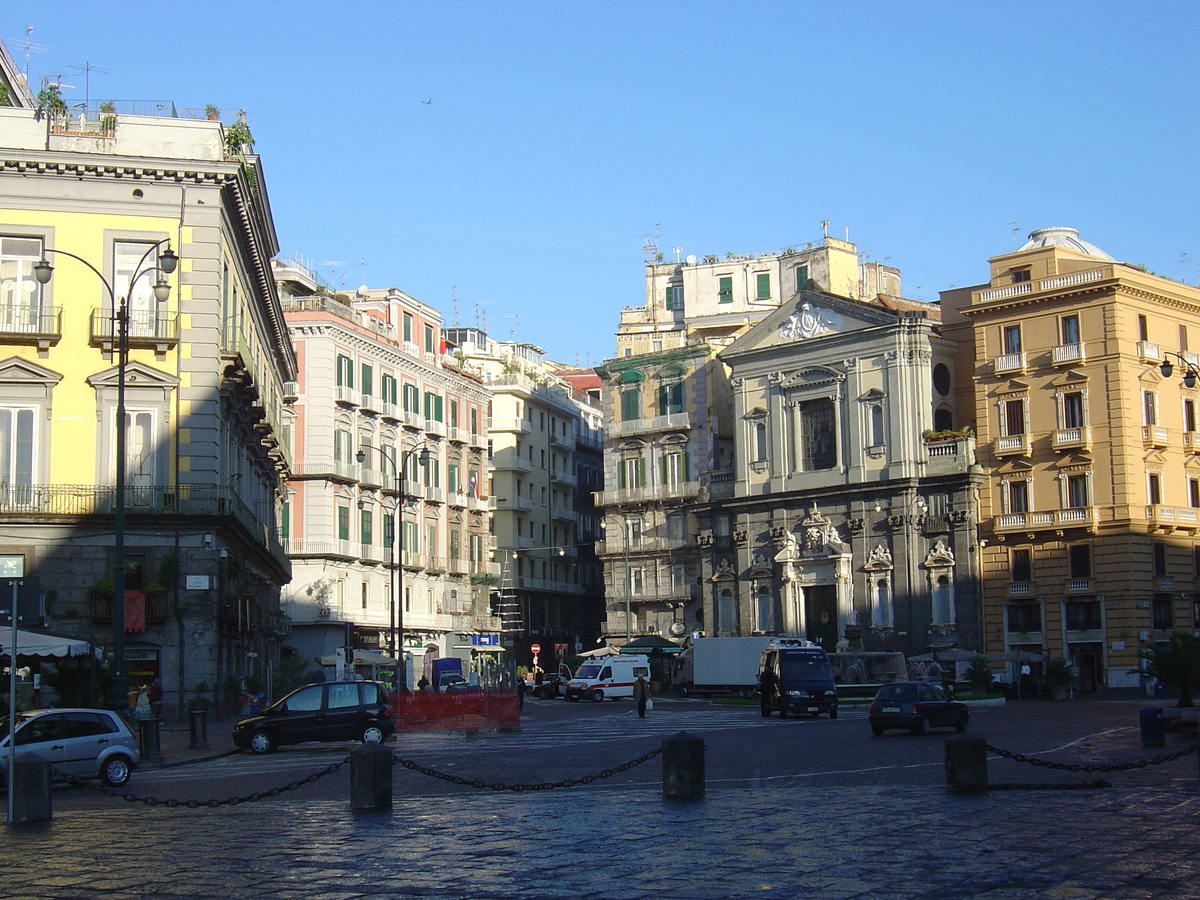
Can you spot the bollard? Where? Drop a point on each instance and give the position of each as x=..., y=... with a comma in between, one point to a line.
x=198, y=728
x=148, y=738
x=966, y=764
x=31, y=792
x=683, y=767
x=370, y=778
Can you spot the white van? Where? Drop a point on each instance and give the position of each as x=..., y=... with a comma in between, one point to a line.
x=610, y=676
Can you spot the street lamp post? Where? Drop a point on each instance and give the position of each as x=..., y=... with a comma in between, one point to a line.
x=166, y=263
x=396, y=634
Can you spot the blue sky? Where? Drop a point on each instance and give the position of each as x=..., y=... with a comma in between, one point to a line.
x=561, y=134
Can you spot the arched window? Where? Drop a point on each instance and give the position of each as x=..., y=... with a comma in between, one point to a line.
x=764, y=608
x=877, y=425
x=943, y=420
x=726, y=614
x=943, y=601
x=881, y=604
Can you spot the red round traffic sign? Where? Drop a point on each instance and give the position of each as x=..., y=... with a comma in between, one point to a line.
x=536, y=648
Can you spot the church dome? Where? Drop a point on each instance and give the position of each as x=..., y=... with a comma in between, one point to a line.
x=1061, y=236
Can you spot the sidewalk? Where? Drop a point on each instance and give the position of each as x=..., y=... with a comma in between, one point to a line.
x=175, y=744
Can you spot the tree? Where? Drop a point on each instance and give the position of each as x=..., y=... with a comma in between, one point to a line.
x=1176, y=664
x=980, y=675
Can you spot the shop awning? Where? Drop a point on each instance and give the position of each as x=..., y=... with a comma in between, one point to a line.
x=31, y=643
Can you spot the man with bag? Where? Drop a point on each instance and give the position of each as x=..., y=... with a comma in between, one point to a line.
x=641, y=693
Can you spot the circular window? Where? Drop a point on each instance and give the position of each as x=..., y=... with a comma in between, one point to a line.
x=941, y=379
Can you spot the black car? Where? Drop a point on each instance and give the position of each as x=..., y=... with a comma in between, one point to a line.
x=916, y=706
x=335, y=711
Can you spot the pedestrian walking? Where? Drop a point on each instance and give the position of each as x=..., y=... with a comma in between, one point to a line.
x=641, y=693
x=521, y=693
x=156, y=698
x=766, y=690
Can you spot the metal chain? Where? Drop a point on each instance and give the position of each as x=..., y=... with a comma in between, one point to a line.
x=1090, y=767
x=213, y=804
x=544, y=786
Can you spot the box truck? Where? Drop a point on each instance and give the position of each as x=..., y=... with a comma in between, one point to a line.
x=722, y=665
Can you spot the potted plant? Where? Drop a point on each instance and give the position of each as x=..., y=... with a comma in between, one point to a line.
x=238, y=138
x=198, y=707
x=1059, y=677
x=980, y=675
x=212, y=113
x=50, y=104
x=1176, y=664
x=108, y=118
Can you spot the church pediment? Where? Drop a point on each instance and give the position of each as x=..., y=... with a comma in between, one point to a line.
x=810, y=316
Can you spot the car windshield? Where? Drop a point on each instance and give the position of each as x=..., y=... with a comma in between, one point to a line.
x=589, y=671
x=804, y=667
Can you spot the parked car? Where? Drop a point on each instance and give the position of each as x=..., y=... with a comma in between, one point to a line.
x=551, y=686
x=86, y=743
x=916, y=706
x=334, y=711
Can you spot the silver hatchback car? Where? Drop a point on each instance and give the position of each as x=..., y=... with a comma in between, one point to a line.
x=86, y=743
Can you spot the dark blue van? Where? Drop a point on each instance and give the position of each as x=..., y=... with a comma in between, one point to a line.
x=794, y=677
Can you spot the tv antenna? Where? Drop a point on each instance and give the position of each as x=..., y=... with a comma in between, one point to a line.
x=454, y=302
x=515, y=330
x=481, y=321
x=825, y=223
x=334, y=272
x=86, y=70
x=1183, y=261
x=677, y=251
x=650, y=245
x=1016, y=229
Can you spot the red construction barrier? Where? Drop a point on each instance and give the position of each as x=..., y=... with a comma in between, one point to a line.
x=455, y=711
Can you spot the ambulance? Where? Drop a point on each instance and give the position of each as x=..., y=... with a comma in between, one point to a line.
x=610, y=677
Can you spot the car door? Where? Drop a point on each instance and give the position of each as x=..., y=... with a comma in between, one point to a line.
x=85, y=736
x=41, y=737
x=936, y=704
x=344, y=717
x=301, y=721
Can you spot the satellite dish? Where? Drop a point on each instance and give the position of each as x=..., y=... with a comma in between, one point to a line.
x=691, y=259
x=677, y=629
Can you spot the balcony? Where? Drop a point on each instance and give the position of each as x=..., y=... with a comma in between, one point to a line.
x=566, y=441
x=479, y=504
x=672, y=422
x=346, y=395
x=412, y=419
x=35, y=324
x=518, y=504
x=435, y=565
x=563, y=514
x=456, y=498
x=1191, y=441
x=1012, y=445
x=373, y=553
x=1018, y=588
x=683, y=491
x=1158, y=436
x=508, y=461
x=1009, y=362
x=1079, y=584
x=367, y=403
x=434, y=494
x=370, y=478
x=339, y=549
x=1149, y=352
x=1067, y=354
x=950, y=457
x=1173, y=518
x=147, y=328
x=456, y=434
x=388, y=410
x=477, y=441
x=333, y=469
x=1008, y=290
x=562, y=476
x=1072, y=438
x=434, y=428
x=458, y=566
x=1085, y=517
x=518, y=425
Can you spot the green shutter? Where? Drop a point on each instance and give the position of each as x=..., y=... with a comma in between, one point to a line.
x=662, y=400
x=801, y=277
x=365, y=386
x=622, y=477
x=665, y=468
x=437, y=408
x=725, y=290
x=641, y=471
x=763, y=285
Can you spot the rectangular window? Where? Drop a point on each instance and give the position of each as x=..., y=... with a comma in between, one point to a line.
x=674, y=469
x=939, y=504
x=366, y=381
x=632, y=473
x=16, y=447
x=1072, y=408
x=760, y=441
x=725, y=289
x=452, y=484
x=1020, y=275
x=1183, y=339
x=345, y=371
x=389, y=530
x=1163, y=614
x=455, y=537
x=1160, y=559
x=1153, y=488
x=1194, y=493
x=453, y=413
x=1079, y=560
x=428, y=338
x=408, y=325
x=677, y=530
x=670, y=399
x=1143, y=329
x=343, y=514
x=1070, y=329
x=1083, y=615
x=762, y=285
x=20, y=293
x=1014, y=417
x=341, y=445
x=364, y=526
x=140, y=448
x=1149, y=408
x=818, y=441
x=388, y=386
x=474, y=421
x=128, y=259
x=674, y=296
x=1021, y=564
x=801, y=277
x=1025, y=618
x=1012, y=339
x=412, y=398
x=631, y=404
x=1189, y=415
x=1077, y=492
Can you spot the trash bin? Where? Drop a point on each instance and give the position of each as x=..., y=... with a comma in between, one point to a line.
x=1154, y=732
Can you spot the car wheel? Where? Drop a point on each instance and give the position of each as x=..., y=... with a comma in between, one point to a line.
x=922, y=728
x=597, y=696
x=372, y=734
x=877, y=730
x=833, y=714
x=684, y=690
x=116, y=770
x=961, y=725
x=262, y=742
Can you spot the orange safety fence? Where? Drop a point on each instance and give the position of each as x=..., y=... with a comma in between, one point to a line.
x=455, y=711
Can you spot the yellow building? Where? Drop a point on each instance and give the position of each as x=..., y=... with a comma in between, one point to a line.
x=1091, y=506
x=98, y=197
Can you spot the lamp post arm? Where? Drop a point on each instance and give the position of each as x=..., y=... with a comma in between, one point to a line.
x=112, y=295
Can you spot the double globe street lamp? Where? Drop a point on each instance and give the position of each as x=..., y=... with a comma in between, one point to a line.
x=164, y=265
x=396, y=636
